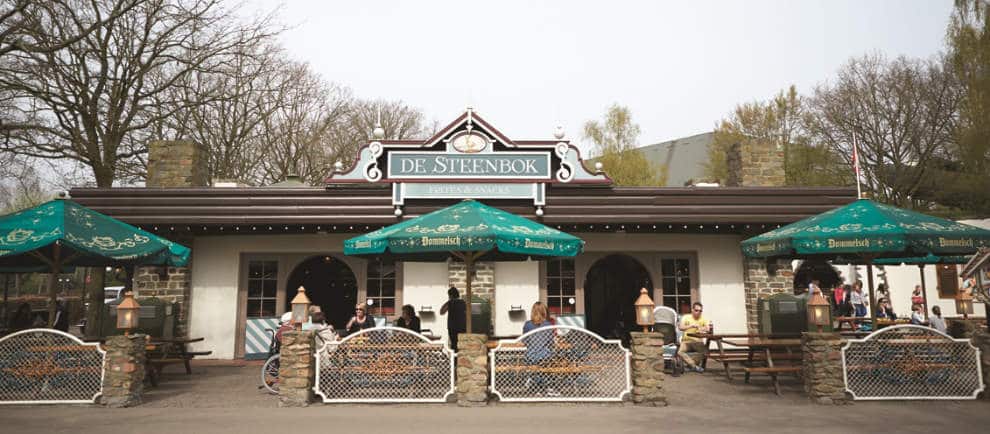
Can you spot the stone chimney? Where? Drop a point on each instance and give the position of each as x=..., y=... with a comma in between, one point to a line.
x=762, y=164
x=174, y=164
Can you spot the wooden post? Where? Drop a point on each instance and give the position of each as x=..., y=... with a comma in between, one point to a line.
x=924, y=290
x=52, y=293
x=469, y=268
x=869, y=278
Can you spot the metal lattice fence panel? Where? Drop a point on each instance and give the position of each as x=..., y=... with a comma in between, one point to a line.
x=911, y=362
x=45, y=366
x=384, y=364
x=560, y=363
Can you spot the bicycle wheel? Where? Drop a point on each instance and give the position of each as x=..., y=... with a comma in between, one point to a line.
x=269, y=374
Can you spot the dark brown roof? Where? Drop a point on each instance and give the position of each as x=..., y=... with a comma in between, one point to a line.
x=372, y=206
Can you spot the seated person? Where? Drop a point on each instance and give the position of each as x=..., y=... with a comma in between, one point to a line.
x=936, y=320
x=360, y=320
x=324, y=331
x=284, y=325
x=694, y=323
x=885, y=311
x=408, y=320
x=917, y=315
x=538, y=345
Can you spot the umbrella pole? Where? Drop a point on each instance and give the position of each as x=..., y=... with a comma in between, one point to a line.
x=52, y=294
x=924, y=290
x=873, y=301
x=6, y=288
x=469, y=269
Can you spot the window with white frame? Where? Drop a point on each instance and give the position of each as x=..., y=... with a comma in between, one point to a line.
x=381, y=286
x=675, y=276
x=560, y=286
x=262, y=288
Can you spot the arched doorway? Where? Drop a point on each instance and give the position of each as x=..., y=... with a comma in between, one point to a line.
x=610, y=289
x=329, y=283
x=812, y=269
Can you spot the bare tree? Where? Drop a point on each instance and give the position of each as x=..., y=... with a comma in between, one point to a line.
x=900, y=112
x=86, y=101
x=24, y=23
x=293, y=137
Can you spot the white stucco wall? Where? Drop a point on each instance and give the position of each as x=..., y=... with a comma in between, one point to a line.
x=426, y=284
x=720, y=273
x=215, y=279
x=516, y=284
x=217, y=265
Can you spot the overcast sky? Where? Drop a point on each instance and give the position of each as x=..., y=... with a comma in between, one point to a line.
x=528, y=66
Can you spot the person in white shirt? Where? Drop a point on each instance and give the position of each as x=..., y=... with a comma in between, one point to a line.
x=857, y=299
x=936, y=320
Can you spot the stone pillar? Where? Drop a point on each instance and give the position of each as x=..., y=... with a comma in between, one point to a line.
x=762, y=164
x=981, y=340
x=761, y=282
x=482, y=282
x=823, y=380
x=647, y=369
x=472, y=370
x=173, y=164
x=297, y=369
x=123, y=371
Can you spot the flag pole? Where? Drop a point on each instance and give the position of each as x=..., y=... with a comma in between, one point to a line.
x=859, y=189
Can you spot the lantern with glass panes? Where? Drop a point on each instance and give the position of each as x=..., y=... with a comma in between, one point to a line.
x=300, y=309
x=819, y=311
x=644, y=310
x=128, y=312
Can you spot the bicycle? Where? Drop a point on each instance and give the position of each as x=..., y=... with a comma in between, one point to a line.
x=269, y=371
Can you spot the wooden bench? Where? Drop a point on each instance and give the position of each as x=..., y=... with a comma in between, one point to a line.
x=772, y=371
x=166, y=351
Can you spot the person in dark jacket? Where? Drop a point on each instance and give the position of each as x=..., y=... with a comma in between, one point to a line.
x=457, y=317
x=408, y=320
x=61, y=316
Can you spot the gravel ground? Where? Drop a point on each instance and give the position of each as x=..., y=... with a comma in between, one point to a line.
x=225, y=398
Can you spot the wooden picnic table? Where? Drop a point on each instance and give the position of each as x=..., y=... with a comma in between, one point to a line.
x=851, y=321
x=770, y=347
x=166, y=351
x=728, y=357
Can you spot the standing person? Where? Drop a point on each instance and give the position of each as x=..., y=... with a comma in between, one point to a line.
x=936, y=320
x=857, y=299
x=408, y=320
x=457, y=319
x=360, y=320
x=839, y=296
x=916, y=297
x=694, y=323
x=61, y=322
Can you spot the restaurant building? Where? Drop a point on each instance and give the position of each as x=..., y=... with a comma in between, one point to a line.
x=253, y=246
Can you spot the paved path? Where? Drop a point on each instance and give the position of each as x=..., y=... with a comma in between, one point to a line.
x=226, y=400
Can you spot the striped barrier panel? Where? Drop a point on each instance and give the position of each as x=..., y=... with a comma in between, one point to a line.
x=256, y=339
x=570, y=320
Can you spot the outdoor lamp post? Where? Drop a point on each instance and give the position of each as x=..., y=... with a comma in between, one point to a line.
x=964, y=304
x=128, y=312
x=300, y=308
x=819, y=311
x=644, y=310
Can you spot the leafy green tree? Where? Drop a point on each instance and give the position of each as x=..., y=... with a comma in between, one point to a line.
x=616, y=148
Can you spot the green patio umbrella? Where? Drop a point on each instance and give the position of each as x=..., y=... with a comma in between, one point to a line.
x=864, y=231
x=62, y=233
x=470, y=231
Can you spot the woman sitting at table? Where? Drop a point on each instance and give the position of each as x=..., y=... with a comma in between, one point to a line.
x=885, y=311
x=408, y=320
x=917, y=315
x=360, y=320
x=538, y=344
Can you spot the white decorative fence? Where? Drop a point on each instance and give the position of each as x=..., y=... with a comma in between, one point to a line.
x=384, y=364
x=911, y=362
x=45, y=366
x=560, y=363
